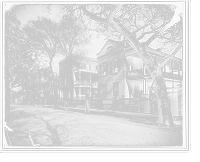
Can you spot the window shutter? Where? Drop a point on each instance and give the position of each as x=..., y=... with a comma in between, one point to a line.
x=100, y=70
x=118, y=63
x=106, y=68
x=111, y=68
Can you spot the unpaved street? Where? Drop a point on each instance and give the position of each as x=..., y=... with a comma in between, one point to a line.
x=51, y=127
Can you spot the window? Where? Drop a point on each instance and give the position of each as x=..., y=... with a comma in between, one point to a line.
x=83, y=66
x=104, y=68
x=65, y=81
x=69, y=79
x=137, y=63
x=115, y=88
x=104, y=87
x=115, y=66
x=85, y=76
x=77, y=76
x=111, y=68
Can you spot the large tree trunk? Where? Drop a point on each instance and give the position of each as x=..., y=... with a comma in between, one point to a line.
x=164, y=106
x=150, y=64
x=51, y=67
x=164, y=110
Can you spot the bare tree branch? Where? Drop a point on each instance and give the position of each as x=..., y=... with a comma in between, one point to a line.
x=146, y=25
x=102, y=11
x=93, y=16
x=114, y=10
x=130, y=10
x=173, y=21
x=170, y=56
x=115, y=24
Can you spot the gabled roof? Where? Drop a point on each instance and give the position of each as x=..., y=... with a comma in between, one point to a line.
x=112, y=46
x=109, y=46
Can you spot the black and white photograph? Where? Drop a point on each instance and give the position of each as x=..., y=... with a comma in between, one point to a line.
x=95, y=76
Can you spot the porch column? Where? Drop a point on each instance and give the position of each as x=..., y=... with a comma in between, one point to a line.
x=164, y=69
x=144, y=85
x=172, y=68
x=79, y=75
x=179, y=68
x=79, y=92
x=90, y=94
x=60, y=95
x=143, y=69
x=74, y=91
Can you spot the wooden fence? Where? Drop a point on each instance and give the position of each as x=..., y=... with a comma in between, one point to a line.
x=121, y=104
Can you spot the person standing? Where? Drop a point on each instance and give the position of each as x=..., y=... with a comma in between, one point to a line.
x=87, y=105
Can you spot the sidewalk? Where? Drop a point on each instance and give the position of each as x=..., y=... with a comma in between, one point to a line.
x=136, y=117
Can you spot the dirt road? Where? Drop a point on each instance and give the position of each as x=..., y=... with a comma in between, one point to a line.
x=79, y=129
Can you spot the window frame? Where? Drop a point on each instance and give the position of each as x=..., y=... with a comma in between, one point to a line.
x=115, y=88
x=104, y=90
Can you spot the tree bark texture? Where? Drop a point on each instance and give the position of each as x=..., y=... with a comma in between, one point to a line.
x=164, y=105
x=51, y=66
x=164, y=109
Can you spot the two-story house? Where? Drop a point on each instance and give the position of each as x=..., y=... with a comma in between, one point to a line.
x=122, y=72
x=81, y=81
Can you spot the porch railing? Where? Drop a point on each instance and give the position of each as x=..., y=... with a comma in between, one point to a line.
x=137, y=73
x=85, y=82
x=140, y=73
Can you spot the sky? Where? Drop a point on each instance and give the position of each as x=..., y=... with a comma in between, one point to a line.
x=29, y=12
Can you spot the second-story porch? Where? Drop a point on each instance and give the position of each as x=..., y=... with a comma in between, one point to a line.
x=85, y=78
x=141, y=73
x=172, y=70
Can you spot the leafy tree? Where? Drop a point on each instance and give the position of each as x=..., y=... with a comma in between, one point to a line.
x=140, y=25
x=35, y=81
x=43, y=34
x=18, y=56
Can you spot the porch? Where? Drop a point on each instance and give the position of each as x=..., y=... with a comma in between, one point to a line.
x=140, y=73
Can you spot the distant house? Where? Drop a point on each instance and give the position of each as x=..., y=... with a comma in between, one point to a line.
x=82, y=81
x=123, y=75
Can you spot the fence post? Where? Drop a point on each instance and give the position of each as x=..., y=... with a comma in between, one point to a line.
x=123, y=101
x=151, y=101
x=87, y=107
x=66, y=105
x=141, y=107
x=115, y=103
